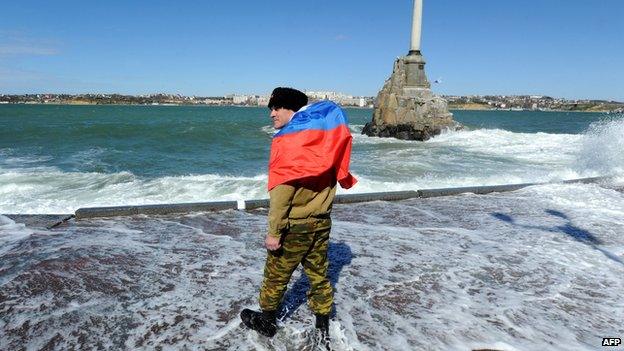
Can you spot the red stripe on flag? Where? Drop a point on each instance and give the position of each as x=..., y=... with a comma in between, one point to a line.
x=311, y=153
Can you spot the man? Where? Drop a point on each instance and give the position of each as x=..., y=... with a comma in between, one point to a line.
x=309, y=154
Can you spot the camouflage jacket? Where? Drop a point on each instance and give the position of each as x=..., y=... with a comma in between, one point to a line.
x=302, y=206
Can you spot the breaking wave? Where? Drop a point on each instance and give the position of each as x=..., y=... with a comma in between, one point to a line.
x=602, y=147
x=463, y=158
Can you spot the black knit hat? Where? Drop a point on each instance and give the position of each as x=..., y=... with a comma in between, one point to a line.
x=288, y=98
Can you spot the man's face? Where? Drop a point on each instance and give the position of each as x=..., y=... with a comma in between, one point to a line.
x=281, y=116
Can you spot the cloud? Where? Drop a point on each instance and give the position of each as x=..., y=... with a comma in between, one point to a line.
x=19, y=44
x=341, y=37
x=9, y=75
x=6, y=50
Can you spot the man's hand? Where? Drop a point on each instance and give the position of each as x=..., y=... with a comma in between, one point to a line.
x=272, y=243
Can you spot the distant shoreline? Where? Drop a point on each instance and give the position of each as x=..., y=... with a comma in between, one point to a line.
x=454, y=102
x=249, y=106
x=480, y=107
x=527, y=110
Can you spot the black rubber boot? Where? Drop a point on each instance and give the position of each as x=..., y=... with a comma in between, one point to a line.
x=264, y=322
x=322, y=327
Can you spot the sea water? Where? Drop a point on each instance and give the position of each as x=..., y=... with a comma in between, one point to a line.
x=55, y=159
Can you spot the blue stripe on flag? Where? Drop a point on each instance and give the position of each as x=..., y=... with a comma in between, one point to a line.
x=322, y=115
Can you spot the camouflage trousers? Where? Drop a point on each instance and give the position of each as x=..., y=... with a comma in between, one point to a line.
x=309, y=249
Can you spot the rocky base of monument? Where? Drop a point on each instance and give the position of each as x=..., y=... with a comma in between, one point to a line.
x=407, y=109
x=405, y=131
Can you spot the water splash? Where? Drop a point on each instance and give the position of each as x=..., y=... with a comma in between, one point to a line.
x=11, y=233
x=602, y=147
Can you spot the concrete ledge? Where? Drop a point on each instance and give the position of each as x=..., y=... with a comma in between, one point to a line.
x=254, y=204
x=480, y=190
x=366, y=197
x=425, y=193
x=588, y=180
x=164, y=209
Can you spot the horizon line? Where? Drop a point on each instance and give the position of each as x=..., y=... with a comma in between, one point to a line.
x=329, y=91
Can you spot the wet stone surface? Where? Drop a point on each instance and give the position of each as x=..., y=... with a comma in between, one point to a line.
x=539, y=268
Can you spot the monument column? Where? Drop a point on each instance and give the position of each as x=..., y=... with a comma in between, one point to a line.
x=405, y=107
x=415, y=62
x=416, y=27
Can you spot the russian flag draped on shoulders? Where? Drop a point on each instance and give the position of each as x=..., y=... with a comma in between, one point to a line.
x=316, y=140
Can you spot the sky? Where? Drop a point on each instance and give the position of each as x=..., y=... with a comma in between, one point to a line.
x=560, y=48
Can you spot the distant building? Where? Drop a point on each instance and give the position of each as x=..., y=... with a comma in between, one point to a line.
x=327, y=95
x=262, y=101
x=240, y=99
x=340, y=98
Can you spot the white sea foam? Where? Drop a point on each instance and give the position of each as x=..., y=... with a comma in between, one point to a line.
x=530, y=146
x=53, y=191
x=535, y=269
x=11, y=233
x=602, y=147
x=269, y=130
x=453, y=159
